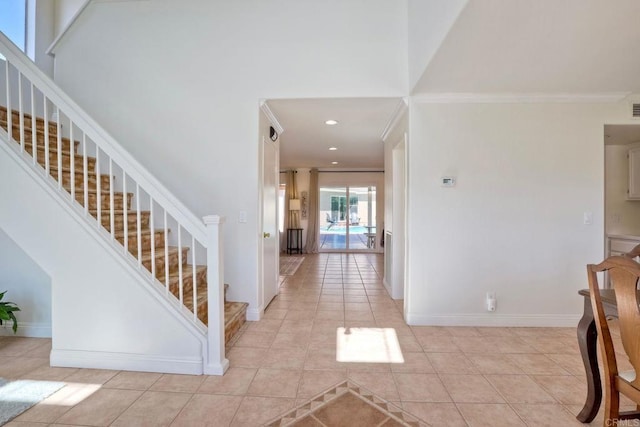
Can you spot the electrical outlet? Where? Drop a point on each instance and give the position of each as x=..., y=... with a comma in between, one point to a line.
x=491, y=301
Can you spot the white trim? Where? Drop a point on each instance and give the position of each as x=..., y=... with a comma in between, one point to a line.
x=264, y=106
x=492, y=319
x=519, y=98
x=63, y=33
x=395, y=118
x=125, y=362
x=26, y=329
x=216, y=368
x=254, y=314
x=386, y=285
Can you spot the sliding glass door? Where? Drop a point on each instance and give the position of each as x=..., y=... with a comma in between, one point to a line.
x=347, y=218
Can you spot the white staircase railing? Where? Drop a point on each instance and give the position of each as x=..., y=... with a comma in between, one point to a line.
x=103, y=182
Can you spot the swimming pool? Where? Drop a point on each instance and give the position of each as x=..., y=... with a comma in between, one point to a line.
x=341, y=229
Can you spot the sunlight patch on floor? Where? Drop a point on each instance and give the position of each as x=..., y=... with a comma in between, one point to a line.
x=71, y=394
x=368, y=345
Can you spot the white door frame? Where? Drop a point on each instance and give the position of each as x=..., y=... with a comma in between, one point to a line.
x=263, y=138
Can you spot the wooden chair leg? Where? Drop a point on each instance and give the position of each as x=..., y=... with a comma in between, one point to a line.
x=611, y=407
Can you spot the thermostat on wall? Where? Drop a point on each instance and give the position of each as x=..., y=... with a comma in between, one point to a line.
x=448, y=181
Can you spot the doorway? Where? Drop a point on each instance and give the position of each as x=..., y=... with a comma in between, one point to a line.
x=347, y=218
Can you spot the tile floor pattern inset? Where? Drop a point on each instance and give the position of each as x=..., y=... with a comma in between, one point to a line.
x=451, y=376
x=346, y=404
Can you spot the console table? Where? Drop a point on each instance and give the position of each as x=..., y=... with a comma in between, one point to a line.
x=294, y=240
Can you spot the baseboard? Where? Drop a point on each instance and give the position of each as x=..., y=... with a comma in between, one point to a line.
x=387, y=286
x=217, y=368
x=26, y=329
x=125, y=362
x=254, y=314
x=490, y=319
x=390, y=290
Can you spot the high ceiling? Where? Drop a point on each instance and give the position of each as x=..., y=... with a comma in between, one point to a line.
x=357, y=136
x=490, y=47
x=524, y=46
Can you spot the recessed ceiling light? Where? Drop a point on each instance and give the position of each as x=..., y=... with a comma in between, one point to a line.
x=334, y=163
x=333, y=148
x=331, y=122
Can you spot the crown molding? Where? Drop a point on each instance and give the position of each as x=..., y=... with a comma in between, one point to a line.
x=394, y=119
x=264, y=106
x=518, y=98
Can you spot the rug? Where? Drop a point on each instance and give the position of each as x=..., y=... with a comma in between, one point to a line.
x=289, y=264
x=347, y=404
x=18, y=396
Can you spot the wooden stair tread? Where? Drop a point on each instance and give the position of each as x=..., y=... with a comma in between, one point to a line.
x=232, y=309
x=187, y=270
x=144, y=233
x=187, y=298
x=53, y=167
x=173, y=250
x=25, y=114
x=235, y=315
x=15, y=134
x=93, y=191
x=130, y=212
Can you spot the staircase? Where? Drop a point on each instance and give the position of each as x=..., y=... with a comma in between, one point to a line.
x=80, y=175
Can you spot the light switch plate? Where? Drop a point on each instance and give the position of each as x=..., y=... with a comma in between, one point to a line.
x=448, y=181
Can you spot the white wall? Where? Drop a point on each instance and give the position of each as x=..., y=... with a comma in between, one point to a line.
x=101, y=315
x=184, y=101
x=28, y=286
x=513, y=223
x=429, y=23
x=64, y=10
x=623, y=216
x=40, y=33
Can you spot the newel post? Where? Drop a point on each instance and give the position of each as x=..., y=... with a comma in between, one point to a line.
x=215, y=362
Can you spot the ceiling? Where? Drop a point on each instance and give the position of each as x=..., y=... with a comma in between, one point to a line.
x=621, y=134
x=548, y=46
x=306, y=138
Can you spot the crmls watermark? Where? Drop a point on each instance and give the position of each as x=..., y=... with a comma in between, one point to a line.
x=622, y=423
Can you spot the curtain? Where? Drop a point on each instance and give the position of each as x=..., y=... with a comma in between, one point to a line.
x=290, y=192
x=311, y=245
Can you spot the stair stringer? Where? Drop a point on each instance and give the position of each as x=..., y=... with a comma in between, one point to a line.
x=105, y=313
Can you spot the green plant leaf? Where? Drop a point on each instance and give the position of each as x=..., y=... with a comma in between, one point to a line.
x=15, y=323
x=6, y=312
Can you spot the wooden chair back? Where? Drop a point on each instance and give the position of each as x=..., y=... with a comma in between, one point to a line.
x=624, y=273
x=633, y=253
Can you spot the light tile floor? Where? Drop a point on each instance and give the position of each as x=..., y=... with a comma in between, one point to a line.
x=452, y=376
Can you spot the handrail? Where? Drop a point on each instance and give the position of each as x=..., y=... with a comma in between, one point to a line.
x=107, y=143
x=82, y=175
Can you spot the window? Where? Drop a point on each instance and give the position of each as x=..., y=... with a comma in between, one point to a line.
x=13, y=21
